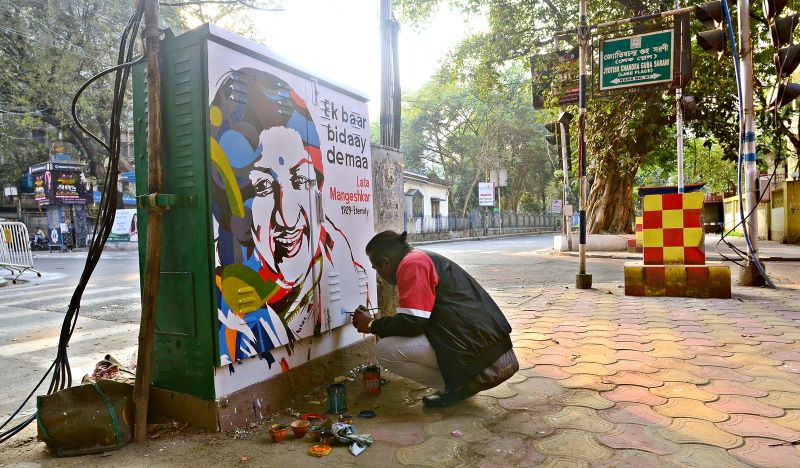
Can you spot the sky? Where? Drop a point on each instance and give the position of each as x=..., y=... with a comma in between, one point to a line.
x=340, y=41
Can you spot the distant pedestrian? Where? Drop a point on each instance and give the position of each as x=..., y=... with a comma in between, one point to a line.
x=448, y=333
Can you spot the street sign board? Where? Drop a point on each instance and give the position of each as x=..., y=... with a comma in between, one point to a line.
x=486, y=193
x=555, y=206
x=640, y=60
x=556, y=73
x=499, y=177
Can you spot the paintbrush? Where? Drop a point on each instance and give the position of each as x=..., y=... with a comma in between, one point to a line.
x=368, y=310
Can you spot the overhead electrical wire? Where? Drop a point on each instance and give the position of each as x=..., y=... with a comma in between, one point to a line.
x=60, y=367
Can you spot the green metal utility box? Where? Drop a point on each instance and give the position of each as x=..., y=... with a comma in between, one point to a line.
x=267, y=173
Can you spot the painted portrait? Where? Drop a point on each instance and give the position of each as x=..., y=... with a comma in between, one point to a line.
x=275, y=247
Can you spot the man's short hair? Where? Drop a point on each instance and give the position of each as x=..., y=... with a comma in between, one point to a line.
x=387, y=242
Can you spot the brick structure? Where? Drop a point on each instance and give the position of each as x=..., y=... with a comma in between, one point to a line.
x=673, y=251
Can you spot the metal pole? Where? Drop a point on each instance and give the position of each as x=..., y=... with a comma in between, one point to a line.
x=679, y=126
x=499, y=203
x=583, y=280
x=567, y=231
x=749, y=275
x=390, y=78
x=141, y=389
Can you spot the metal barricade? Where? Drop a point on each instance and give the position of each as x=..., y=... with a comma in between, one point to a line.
x=15, y=249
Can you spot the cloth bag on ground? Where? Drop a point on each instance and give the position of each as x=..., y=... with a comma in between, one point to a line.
x=95, y=417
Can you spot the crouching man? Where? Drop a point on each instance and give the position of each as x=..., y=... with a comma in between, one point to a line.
x=448, y=333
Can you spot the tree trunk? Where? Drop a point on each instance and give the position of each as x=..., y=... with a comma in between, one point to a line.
x=612, y=188
x=469, y=192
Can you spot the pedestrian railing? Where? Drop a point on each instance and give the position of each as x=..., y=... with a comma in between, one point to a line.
x=483, y=223
x=15, y=249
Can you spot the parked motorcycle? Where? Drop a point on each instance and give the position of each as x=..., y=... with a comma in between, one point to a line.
x=38, y=243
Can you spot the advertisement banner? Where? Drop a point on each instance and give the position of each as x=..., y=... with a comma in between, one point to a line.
x=486, y=193
x=59, y=187
x=42, y=187
x=125, y=227
x=68, y=188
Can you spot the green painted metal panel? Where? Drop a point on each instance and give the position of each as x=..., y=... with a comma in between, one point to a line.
x=185, y=344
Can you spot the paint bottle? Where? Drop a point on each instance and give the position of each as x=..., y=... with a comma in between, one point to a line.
x=371, y=376
x=337, y=401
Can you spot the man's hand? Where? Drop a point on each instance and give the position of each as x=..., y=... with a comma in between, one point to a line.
x=362, y=319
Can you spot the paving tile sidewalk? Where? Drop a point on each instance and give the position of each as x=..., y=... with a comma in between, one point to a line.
x=769, y=251
x=605, y=380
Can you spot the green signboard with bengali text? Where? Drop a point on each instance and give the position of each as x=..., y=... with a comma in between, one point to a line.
x=640, y=60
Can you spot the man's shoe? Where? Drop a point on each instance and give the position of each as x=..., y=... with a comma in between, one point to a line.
x=440, y=400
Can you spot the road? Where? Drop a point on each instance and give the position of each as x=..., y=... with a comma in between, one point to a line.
x=510, y=262
x=31, y=312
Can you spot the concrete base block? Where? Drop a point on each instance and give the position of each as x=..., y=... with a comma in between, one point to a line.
x=583, y=281
x=702, y=281
x=749, y=275
x=594, y=243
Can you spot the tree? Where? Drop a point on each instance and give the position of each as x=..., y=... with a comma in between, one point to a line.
x=48, y=49
x=452, y=130
x=623, y=134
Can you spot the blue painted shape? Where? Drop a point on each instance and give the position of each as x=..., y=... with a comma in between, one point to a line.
x=237, y=149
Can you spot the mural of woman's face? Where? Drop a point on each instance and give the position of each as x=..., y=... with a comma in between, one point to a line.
x=282, y=203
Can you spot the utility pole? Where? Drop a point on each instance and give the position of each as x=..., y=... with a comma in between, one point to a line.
x=141, y=389
x=582, y=279
x=390, y=78
x=566, y=214
x=679, y=125
x=749, y=274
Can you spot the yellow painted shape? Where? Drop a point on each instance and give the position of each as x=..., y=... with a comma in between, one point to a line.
x=675, y=275
x=673, y=255
x=232, y=192
x=693, y=237
x=215, y=116
x=672, y=219
x=638, y=235
x=634, y=274
x=693, y=201
x=240, y=296
x=719, y=275
x=651, y=203
x=653, y=237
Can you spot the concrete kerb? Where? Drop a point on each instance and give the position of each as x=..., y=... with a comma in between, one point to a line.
x=479, y=238
x=624, y=256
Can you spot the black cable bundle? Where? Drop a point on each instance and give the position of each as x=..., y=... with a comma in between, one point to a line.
x=62, y=374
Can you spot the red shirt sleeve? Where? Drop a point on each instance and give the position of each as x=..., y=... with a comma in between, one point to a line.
x=416, y=282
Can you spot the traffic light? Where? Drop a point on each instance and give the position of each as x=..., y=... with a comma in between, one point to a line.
x=787, y=54
x=553, y=130
x=782, y=94
x=712, y=16
x=559, y=140
x=564, y=119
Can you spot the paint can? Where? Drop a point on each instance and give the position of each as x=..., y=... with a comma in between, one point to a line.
x=371, y=376
x=337, y=401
